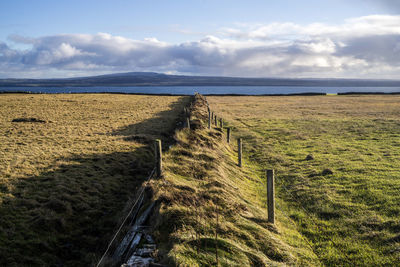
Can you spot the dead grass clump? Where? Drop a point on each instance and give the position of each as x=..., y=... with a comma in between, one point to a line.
x=395, y=239
x=184, y=195
x=195, y=169
x=206, y=157
x=216, y=184
x=58, y=206
x=196, y=125
x=182, y=152
x=255, y=260
x=48, y=220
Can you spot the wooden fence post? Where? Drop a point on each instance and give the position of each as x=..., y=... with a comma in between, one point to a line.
x=240, y=152
x=209, y=119
x=228, y=134
x=221, y=123
x=271, y=196
x=188, y=123
x=158, y=157
x=215, y=120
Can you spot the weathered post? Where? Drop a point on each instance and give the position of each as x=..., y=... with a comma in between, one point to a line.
x=209, y=119
x=212, y=116
x=240, y=152
x=158, y=157
x=215, y=121
x=228, y=134
x=221, y=123
x=271, y=196
x=188, y=123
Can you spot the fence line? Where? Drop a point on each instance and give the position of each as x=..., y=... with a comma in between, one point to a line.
x=271, y=195
x=157, y=170
x=212, y=117
x=127, y=216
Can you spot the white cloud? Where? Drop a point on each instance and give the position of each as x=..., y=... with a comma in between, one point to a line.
x=365, y=47
x=362, y=26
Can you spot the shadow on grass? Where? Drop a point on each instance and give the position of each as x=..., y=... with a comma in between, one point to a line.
x=157, y=127
x=66, y=216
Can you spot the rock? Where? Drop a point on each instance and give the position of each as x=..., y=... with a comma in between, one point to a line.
x=309, y=157
x=327, y=172
x=137, y=261
x=145, y=252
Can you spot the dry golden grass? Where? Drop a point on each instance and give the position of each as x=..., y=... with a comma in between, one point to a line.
x=77, y=124
x=64, y=183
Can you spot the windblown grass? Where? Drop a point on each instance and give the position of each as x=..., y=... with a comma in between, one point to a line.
x=64, y=182
x=212, y=212
x=337, y=162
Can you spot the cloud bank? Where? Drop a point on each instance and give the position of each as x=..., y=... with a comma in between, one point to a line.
x=364, y=47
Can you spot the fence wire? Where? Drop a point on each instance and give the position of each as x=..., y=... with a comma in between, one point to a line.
x=319, y=229
x=127, y=216
x=306, y=212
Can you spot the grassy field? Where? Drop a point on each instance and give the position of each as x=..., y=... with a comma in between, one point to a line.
x=337, y=162
x=211, y=212
x=64, y=182
x=66, y=179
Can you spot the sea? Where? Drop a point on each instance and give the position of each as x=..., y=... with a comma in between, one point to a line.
x=205, y=90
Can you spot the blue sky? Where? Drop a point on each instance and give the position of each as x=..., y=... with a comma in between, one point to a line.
x=285, y=38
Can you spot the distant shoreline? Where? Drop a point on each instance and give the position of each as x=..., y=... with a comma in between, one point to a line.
x=149, y=79
x=166, y=94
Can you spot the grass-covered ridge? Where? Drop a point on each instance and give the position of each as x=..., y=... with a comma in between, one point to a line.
x=66, y=176
x=204, y=193
x=339, y=159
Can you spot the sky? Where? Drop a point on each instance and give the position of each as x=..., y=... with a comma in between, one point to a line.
x=248, y=38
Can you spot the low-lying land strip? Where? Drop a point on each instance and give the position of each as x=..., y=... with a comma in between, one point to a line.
x=337, y=162
x=68, y=166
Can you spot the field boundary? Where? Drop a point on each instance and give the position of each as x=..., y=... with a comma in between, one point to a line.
x=127, y=251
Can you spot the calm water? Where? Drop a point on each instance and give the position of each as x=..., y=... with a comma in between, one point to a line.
x=190, y=90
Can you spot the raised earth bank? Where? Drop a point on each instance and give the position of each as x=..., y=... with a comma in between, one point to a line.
x=208, y=211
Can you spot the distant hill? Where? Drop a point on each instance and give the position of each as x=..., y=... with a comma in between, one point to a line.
x=158, y=79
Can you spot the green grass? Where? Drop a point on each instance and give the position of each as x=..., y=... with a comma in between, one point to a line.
x=352, y=216
x=201, y=183
x=65, y=184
